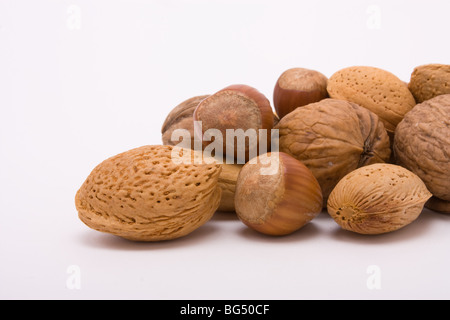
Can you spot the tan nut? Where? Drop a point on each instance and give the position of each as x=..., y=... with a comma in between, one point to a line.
x=377, y=199
x=145, y=194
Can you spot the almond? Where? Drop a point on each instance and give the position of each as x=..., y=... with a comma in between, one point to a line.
x=429, y=81
x=375, y=89
x=145, y=195
x=378, y=198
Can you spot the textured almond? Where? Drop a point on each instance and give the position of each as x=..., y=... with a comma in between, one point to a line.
x=181, y=118
x=377, y=199
x=333, y=138
x=227, y=182
x=422, y=144
x=375, y=89
x=143, y=195
x=429, y=81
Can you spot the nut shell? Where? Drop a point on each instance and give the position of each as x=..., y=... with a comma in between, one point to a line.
x=143, y=195
x=181, y=117
x=298, y=87
x=332, y=138
x=239, y=109
x=227, y=182
x=377, y=199
x=422, y=144
x=375, y=89
x=280, y=200
x=429, y=81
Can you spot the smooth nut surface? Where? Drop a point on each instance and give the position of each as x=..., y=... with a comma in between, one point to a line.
x=143, y=195
x=277, y=197
x=377, y=199
x=422, y=144
x=227, y=182
x=235, y=110
x=332, y=138
x=375, y=89
x=181, y=117
x=429, y=81
x=298, y=87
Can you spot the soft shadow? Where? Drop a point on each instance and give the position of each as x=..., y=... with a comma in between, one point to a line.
x=416, y=229
x=95, y=239
x=307, y=232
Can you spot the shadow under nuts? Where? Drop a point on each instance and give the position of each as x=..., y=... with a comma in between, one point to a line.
x=377, y=199
x=278, y=195
x=143, y=195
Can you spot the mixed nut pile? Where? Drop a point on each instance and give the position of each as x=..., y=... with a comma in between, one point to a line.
x=370, y=148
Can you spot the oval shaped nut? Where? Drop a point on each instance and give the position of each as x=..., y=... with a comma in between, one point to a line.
x=181, y=117
x=375, y=89
x=429, y=81
x=227, y=182
x=277, y=194
x=332, y=138
x=147, y=194
x=422, y=144
x=377, y=199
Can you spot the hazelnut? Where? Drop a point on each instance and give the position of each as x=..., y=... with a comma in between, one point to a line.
x=240, y=109
x=280, y=200
x=298, y=87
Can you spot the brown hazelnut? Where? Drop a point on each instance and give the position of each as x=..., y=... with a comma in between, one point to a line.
x=237, y=108
x=298, y=87
x=280, y=200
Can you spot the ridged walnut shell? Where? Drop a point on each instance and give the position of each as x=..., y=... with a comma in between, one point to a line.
x=375, y=89
x=377, y=199
x=181, y=117
x=277, y=197
x=429, y=81
x=332, y=138
x=143, y=195
x=422, y=144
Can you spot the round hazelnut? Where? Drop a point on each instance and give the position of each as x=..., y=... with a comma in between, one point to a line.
x=298, y=87
x=240, y=109
x=278, y=196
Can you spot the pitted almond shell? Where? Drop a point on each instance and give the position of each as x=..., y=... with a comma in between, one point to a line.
x=378, y=90
x=144, y=195
x=377, y=199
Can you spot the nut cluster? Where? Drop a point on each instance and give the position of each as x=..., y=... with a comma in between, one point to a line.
x=369, y=148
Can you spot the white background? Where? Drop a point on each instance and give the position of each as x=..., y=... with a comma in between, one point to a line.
x=81, y=81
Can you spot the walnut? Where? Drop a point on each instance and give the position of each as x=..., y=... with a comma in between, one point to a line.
x=422, y=144
x=180, y=118
x=332, y=138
